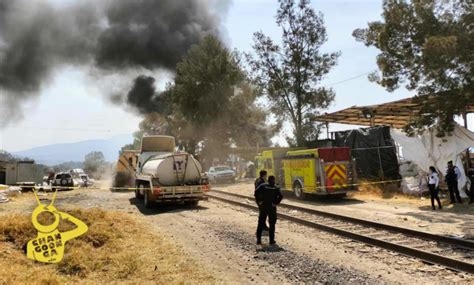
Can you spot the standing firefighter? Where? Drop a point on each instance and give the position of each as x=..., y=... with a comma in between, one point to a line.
x=452, y=176
x=267, y=196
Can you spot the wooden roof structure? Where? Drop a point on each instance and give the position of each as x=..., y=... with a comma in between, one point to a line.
x=396, y=114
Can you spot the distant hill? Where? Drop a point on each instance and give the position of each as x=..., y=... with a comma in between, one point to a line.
x=58, y=153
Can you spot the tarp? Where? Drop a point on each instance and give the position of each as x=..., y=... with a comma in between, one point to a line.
x=374, y=151
x=428, y=150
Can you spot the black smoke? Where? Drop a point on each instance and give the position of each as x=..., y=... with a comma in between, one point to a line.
x=144, y=98
x=36, y=37
x=152, y=33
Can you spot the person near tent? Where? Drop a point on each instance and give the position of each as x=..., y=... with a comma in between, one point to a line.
x=452, y=176
x=433, y=185
x=471, y=188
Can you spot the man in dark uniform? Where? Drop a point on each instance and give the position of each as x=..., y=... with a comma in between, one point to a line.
x=267, y=196
x=471, y=189
x=262, y=179
x=452, y=176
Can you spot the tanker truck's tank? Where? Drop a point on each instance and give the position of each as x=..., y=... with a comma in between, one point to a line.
x=173, y=169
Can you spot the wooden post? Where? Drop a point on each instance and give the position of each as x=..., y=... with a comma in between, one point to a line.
x=327, y=130
x=372, y=120
x=464, y=117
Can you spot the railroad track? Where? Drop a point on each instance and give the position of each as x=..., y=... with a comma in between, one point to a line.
x=453, y=253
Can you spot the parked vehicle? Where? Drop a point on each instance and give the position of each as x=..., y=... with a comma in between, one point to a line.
x=164, y=175
x=76, y=171
x=320, y=171
x=64, y=181
x=81, y=179
x=218, y=174
x=85, y=181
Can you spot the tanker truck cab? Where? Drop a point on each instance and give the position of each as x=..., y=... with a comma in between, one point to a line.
x=164, y=175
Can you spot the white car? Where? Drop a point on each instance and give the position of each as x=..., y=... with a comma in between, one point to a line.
x=218, y=174
x=64, y=179
x=85, y=180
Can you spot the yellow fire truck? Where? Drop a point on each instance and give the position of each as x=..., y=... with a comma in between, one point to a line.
x=320, y=171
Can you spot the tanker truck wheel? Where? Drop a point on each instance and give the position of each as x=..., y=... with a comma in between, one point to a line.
x=138, y=196
x=146, y=199
x=192, y=203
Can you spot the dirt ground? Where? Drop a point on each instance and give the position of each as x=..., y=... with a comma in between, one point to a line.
x=219, y=240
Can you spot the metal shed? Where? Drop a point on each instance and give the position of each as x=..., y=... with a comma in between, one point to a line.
x=396, y=114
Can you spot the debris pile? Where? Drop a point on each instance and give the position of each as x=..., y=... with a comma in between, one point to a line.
x=6, y=191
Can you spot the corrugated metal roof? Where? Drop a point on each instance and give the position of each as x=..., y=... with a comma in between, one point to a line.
x=396, y=114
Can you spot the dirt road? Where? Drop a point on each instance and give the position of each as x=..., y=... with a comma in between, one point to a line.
x=220, y=238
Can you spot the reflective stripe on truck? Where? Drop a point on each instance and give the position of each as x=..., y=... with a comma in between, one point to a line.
x=336, y=176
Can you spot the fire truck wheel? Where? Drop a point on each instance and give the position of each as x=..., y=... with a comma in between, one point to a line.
x=342, y=195
x=298, y=190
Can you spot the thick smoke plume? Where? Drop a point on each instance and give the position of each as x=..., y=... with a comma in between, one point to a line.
x=36, y=37
x=143, y=95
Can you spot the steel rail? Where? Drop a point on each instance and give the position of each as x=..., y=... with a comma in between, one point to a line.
x=424, y=235
x=425, y=256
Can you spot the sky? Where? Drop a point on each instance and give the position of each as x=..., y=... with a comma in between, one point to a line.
x=85, y=114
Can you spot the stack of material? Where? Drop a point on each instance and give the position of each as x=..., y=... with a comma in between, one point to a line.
x=413, y=179
x=11, y=190
x=414, y=185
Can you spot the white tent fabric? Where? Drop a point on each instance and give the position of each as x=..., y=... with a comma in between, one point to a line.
x=427, y=149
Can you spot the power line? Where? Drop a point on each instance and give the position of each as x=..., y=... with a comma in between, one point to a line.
x=349, y=79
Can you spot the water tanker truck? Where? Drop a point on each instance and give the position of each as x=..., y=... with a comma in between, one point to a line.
x=165, y=175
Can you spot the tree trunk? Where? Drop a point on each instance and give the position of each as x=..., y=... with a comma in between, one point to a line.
x=299, y=124
x=299, y=134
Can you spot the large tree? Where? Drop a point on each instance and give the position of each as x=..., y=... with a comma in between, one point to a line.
x=428, y=46
x=214, y=108
x=289, y=74
x=210, y=107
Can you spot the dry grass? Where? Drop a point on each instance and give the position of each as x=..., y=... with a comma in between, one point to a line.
x=381, y=191
x=116, y=249
x=391, y=191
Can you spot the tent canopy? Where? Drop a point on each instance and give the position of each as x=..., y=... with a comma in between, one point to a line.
x=396, y=114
